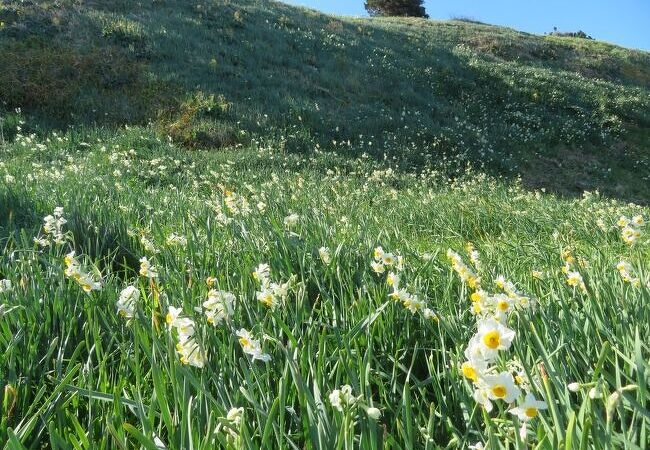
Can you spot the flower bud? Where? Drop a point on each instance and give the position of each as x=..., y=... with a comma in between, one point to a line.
x=373, y=413
x=574, y=387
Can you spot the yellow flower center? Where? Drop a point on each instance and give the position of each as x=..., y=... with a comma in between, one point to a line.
x=267, y=300
x=531, y=412
x=244, y=342
x=475, y=297
x=499, y=390
x=492, y=340
x=469, y=371
x=503, y=305
x=169, y=318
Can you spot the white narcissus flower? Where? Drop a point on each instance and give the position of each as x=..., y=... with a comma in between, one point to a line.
x=377, y=267
x=574, y=387
x=251, y=346
x=529, y=408
x=172, y=315
x=147, y=270
x=429, y=314
x=501, y=386
x=126, y=302
x=325, y=255
x=388, y=259
x=234, y=415
x=473, y=369
x=218, y=306
x=413, y=303
x=393, y=280
x=481, y=396
x=341, y=398
x=190, y=353
x=185, y=328
x=491, y=337
x=261, y=273
x=267, y=298
x=291, y=220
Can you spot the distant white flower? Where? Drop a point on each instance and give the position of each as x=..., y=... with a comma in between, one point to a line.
x=176, y=239
x=324, y=254
x=234, y=415
x=291, y=220
x=5, y=286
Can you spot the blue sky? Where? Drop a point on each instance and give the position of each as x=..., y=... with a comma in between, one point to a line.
x=623, y=22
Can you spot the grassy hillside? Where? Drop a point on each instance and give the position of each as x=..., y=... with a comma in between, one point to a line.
x=411, y=186
x=565, y=114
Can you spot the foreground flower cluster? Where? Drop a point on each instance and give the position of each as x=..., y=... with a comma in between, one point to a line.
x=485, y=365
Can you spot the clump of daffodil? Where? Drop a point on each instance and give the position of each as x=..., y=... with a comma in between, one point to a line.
x=483, y=366
x=625, y=270
x=148, y=244
x=573, y=277
x=325, y=255
x=270, y=294
x=630, y=228
x=466, y=274
x=147, y=269
x=383, y=260
x=53, y=229
x=73, y=270
x=237, y=204
x=399, y=293
x=187, y=348
x=342, y=398
x=251, y=346
x=53, y=226
x=218, y=308
x=127, y=301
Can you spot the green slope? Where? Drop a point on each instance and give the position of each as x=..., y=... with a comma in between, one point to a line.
x=566, y=114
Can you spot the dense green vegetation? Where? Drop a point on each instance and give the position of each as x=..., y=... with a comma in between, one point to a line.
x=410, y=184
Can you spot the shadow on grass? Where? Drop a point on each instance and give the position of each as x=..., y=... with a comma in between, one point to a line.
x=301, y=80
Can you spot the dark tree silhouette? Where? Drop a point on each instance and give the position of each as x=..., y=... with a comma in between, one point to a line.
x=402, y=8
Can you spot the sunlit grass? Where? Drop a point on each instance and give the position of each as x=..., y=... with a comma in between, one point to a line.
x=99, y=370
